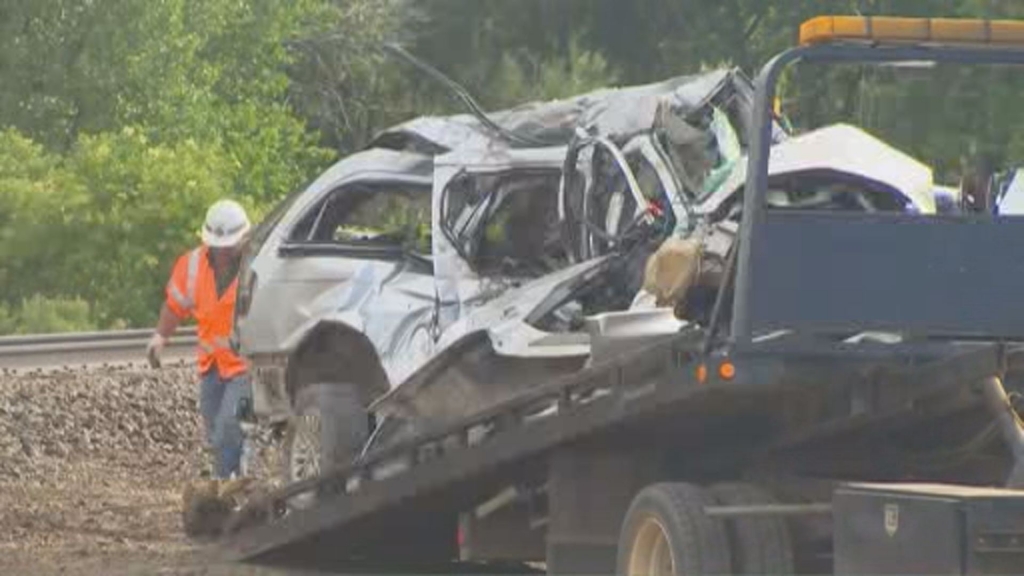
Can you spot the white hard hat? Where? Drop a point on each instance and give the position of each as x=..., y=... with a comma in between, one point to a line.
x=226, y=224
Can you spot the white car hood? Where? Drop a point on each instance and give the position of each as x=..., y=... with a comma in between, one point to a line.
x=846, y=149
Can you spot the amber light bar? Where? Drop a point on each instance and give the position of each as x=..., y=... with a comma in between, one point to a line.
x=882, y=29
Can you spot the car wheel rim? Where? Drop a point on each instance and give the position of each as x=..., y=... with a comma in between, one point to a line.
x=304, y=455
x=651, y=554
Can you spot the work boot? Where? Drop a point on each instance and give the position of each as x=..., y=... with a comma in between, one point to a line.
x=208, y=505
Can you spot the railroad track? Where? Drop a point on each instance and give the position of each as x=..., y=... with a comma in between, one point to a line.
x=82, y=350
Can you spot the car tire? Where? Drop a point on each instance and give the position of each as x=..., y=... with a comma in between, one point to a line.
x=760, y=545
x=328, y=430
x=667, y=531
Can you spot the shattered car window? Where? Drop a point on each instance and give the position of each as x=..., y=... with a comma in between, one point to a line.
x=612, y=204
x=505, y=224
x=611, y=207
x=702, y=150
x=388, y=215
x=727, y=144
x=602, y=211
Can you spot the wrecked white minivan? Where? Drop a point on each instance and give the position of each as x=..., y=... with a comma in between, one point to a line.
x=450, y=265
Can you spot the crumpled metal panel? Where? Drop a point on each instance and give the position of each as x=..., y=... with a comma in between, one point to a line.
x=392, y=305
x=295, y=294
x=617, y=113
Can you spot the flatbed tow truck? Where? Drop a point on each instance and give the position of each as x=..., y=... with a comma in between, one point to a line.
x=766, y=442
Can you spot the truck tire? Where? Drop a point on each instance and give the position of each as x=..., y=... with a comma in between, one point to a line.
x=760, y=545
x=329, y=430
x=666, y=532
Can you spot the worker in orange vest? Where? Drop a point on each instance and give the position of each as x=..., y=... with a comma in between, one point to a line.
x=203, y=285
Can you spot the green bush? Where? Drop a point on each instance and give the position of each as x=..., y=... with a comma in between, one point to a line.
x=41, y=315
x=120, y=123
x=105, y=222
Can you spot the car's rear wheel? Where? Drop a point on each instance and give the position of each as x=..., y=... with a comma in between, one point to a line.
x=329, y=429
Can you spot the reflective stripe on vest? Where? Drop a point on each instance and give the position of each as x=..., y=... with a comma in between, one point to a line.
x=188, y=299
x=219, y=342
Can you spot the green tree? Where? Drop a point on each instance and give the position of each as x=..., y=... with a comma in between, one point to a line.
x=105, y=222
x=209, y=70
x=125, y=120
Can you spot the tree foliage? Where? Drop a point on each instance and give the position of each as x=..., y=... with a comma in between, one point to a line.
x=103, y=221
x=121, y=120
x=40, y=315
x=125, y=119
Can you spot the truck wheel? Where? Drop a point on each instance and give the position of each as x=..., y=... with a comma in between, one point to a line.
x=329, y=429
x=760, y=545
x=667, y=533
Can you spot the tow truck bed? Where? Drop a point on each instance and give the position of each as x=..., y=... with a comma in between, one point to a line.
x=634, y=400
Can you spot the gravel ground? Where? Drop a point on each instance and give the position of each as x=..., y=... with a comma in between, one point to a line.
x=92, y=464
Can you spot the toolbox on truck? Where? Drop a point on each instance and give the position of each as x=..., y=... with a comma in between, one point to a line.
x=927, y=529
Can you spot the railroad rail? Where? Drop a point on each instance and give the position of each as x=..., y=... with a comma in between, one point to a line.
x=78, y=350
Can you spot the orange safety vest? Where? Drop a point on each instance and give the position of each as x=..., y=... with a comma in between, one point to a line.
x=192, y=290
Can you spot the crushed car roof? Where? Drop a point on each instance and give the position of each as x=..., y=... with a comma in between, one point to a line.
x=612, y=112
x=377, y=160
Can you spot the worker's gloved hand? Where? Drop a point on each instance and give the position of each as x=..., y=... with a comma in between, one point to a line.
x=154, y=348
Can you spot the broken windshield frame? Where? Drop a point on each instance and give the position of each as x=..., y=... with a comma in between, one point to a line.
x=650, y=150
x=586, y=247
x=469, y=207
